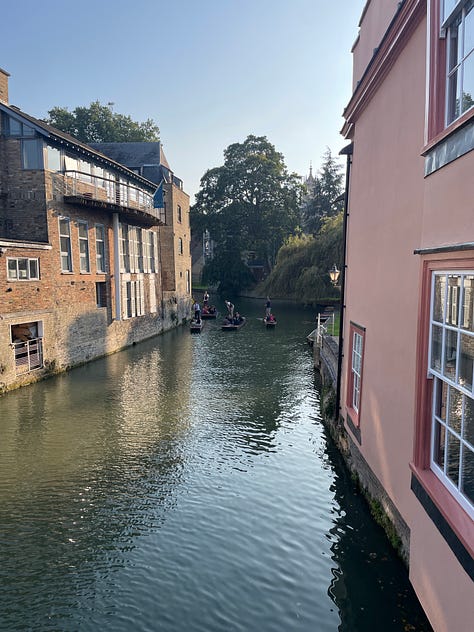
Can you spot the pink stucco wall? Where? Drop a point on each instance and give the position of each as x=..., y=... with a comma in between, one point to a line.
x=376, y=17
x=448, y=210
x=394, y=210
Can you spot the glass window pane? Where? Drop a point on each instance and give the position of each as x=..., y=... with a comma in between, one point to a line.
x=452, y=299
x=33, y=264
x=468, y=433
x=15, y=127
x=439, y=297
x=436, y=347
x=455, y=410
x=467, y=485
x=469, y=30
x=467, y=309
x=64, y=226
x=468, y=83
x=439, y=444
x=450, y=353
x=65, y=262
x=12, y=269
x=82, y=230
x=32, y=154
x=466, y=360
x=441, y=399
x=22, y=268
x=448, y=6
x=452, y=458
x=454, y=96
x=454, y=44
x=54, y=159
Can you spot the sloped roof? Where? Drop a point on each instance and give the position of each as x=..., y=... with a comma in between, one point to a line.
x=57, y=135
x=132, y=154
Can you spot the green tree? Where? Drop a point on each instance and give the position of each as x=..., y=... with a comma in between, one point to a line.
x=251, y=203
x=325, y=200
x=99, y=124
x=303, y=263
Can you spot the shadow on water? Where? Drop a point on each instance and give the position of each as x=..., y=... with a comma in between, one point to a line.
x=370, y=584
x=187, y=484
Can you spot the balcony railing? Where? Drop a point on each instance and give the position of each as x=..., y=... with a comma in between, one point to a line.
x=85, y=186
x=28, y=355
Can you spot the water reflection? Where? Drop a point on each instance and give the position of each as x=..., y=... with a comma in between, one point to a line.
x=186, y=484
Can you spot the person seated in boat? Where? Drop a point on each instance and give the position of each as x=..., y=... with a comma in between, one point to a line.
x=212, y=310
x=205, y=309
x=227, y=321
x=237, y=319
x=271, y=318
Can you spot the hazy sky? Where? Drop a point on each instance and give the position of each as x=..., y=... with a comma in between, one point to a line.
x=209, y=72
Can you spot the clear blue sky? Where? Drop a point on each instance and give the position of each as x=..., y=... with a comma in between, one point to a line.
x=209, y=72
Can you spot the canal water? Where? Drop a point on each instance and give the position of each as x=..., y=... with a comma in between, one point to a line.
x=187, y=484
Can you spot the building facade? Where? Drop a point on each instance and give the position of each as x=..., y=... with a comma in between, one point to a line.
x=407, y=391
x=82, y=257
x=148, y=160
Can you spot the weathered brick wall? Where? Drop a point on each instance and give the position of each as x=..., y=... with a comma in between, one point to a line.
x=4, y=86
x=75, y=330
x=22, y=196
x=176, y=266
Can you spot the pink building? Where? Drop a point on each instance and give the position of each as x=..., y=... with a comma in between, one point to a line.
x=406, y=394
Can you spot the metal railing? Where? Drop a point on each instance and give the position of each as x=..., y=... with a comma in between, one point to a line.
x=97, y=188
x=28, y=355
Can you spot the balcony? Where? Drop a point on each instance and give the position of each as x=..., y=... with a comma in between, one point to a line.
x=112, y=195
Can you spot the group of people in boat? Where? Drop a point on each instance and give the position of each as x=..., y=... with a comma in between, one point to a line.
x=232, y=317
x=206, y=309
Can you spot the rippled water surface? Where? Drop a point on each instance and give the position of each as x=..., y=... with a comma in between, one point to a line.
x=187, y=484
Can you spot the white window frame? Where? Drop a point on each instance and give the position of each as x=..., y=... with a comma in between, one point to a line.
x=68, y=251
x=133, y=298
x=451, y=393
x=356, y=368
x=31, y=263
x=84, y=250
x=100, y=260
x=124, y=248
x=449, y=27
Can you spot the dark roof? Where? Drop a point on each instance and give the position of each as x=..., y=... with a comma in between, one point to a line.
x=148, y=156
x=132, y=154
x=67, y=140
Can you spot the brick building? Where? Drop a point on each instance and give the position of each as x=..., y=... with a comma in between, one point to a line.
x=149, y=160
x=85, y=257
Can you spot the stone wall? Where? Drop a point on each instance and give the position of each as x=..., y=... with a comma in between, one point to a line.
x=382, y=507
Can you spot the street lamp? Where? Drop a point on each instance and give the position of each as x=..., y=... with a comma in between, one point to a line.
x=334, y=275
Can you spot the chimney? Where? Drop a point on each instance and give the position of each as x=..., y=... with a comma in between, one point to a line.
x=4, y=86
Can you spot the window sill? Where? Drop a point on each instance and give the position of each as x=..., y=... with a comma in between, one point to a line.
x=452, y=127
x=454, y=524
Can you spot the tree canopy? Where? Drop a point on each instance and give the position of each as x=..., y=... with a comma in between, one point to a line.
x=250, y=203
x=99, y=124
x=324, y=199
x=303, y=263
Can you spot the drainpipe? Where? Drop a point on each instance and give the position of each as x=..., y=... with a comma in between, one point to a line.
x=118, y=295
x=347, y=151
